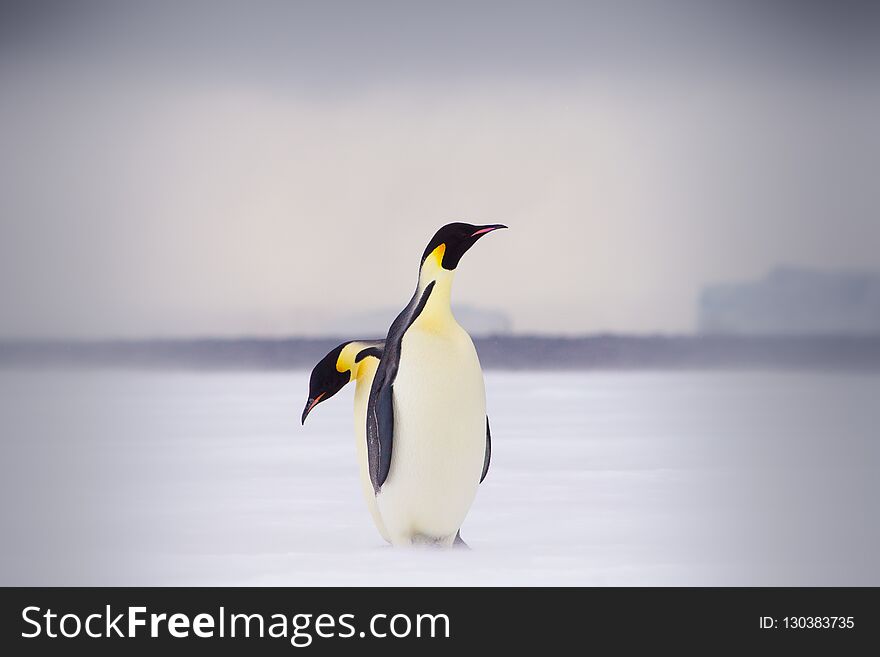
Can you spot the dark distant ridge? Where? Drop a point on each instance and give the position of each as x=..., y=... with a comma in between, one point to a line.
x=502, y=352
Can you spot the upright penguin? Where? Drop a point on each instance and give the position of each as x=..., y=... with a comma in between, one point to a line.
x=428, y=437
x=356, y=360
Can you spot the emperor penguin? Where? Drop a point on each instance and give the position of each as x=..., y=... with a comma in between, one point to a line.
x=428, y=439
x=356, y=360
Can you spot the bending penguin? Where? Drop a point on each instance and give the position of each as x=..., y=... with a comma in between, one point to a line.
x=428, y=440
x=356, y=360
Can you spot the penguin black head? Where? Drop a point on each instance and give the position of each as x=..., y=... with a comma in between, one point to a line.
x=326, y=380
x=456, y=238
x=338, y=368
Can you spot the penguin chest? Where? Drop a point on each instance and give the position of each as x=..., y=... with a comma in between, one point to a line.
x=439, y=433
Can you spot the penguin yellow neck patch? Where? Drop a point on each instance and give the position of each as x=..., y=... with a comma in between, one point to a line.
x=365, y=368
x=437, y=314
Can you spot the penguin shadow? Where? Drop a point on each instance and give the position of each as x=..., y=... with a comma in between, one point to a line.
x=422, y=542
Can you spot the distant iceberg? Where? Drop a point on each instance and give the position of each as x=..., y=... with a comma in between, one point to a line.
x=794, y=301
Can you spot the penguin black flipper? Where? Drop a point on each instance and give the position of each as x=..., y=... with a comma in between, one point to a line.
x=488, y=456
x=380, y=406
x=385, y=416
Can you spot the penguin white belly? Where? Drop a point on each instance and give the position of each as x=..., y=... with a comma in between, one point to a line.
x=361, y=396
x=439, y=436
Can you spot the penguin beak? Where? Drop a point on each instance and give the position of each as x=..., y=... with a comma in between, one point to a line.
x=310, y=404
x=482, y=230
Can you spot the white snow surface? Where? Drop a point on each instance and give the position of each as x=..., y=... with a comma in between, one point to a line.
x=597, y=478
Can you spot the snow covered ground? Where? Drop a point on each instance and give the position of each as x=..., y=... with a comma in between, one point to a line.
x=597, y=478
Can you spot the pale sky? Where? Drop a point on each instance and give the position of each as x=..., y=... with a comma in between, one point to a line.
x=262, y=168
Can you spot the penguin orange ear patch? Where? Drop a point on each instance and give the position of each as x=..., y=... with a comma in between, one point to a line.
x=438, y=253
